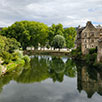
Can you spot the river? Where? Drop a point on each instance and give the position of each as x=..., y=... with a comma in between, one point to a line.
x=52, y=79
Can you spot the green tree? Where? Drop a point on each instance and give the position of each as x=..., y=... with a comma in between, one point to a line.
x=70, y=34
x=8, y=45
x=58, y=42
x=28, y=33
x=53, y=31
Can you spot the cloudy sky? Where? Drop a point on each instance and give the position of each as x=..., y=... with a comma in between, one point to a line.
x=67, y=12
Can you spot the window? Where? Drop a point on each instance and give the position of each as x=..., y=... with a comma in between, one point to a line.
x=85, y=46
x=85, y=41
x=92, y=40
x=85, y=34
x=91, y=33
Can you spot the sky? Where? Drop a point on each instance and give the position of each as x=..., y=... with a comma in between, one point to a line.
x=67, y=12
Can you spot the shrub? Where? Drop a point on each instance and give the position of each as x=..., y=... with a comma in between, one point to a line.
x=26, y=59
x=6, y=56
x=76, y=53
x=19, y=53
x=90, y=58
x=92, y=50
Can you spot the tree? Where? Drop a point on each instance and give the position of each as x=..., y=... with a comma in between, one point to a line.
x=28, y=33
x=53, y=31
x=58, y=42
x=70, y=34
x=8, y=45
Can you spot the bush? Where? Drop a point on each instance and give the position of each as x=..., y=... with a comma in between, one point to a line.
x=90, y=58
x=76, y=53
x=19, y=53
x=26, y=59
x=6, y=56
x=92, y=50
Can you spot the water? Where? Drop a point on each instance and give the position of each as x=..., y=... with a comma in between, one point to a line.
x=52, y=79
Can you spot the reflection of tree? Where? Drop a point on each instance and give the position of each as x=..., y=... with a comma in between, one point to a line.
x=39, y=69
x=37, y=72
x=70, y=69
x=89, y=80
x=9, y=76
x=56, y=69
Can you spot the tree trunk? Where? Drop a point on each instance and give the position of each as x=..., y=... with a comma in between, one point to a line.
x=59, y=49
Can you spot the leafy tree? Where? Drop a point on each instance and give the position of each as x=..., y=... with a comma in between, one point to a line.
x=8, y=45
x=53, y=31
x=70, y=34
x=28, y=33
x=58, y=42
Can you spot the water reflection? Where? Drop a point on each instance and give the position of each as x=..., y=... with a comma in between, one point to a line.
x=89, y=79
x=41, y=68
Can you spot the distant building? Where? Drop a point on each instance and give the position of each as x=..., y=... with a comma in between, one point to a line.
x=88, y=36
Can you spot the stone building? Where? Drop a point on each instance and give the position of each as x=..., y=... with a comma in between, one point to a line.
x=88, y=36
x=99, y=52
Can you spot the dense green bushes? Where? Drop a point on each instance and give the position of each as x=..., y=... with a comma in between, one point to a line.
x=92, y=50
x=76, y=54
x=88, y=58
x=10, y=56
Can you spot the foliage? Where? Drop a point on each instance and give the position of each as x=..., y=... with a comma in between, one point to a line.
x=10, y=56
x=76, y=53
x=70, y=35
x=26, y=59
x=8, y=45
x=70, y=68
x=31, y=33
x=28, y=33
x=92, y=50
x=53, y=31
x=90, y=58
x=58, y=41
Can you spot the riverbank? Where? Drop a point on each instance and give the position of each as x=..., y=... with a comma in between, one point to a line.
x=18, y=60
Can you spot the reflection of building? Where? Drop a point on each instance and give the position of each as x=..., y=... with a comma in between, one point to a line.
x=87, y=37
x=89, y=81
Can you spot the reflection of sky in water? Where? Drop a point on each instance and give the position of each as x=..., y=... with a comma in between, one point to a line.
x=64, y=59
x=46, y=91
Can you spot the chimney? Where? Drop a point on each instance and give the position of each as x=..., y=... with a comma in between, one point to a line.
x=88, y=23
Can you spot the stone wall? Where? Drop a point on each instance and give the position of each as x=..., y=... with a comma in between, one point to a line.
x=99, y=53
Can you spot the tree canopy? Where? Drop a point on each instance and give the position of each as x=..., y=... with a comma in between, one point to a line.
x=58, y=41
x=28, y=33
x=70, y=34
x=33, y=34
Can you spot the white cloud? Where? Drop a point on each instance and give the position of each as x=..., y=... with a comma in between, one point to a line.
x=67, y=12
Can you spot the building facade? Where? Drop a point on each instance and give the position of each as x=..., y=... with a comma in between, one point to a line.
x=88, y=36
